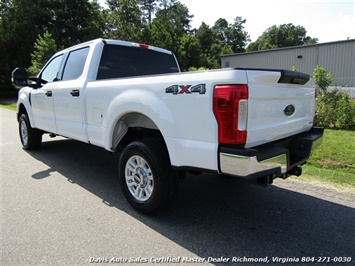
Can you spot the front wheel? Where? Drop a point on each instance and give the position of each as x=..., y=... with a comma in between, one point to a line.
x=147, y=180
x=31, y=138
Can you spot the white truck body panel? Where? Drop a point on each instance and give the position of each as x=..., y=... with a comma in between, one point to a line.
x=186, y=121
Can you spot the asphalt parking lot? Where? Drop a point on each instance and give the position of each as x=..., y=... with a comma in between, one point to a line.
x=61, y=205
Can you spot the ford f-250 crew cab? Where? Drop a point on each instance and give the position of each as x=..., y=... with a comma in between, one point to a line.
x=131, y=98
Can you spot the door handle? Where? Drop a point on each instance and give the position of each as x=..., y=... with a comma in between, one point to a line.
x=49, y=93
x=75, y=93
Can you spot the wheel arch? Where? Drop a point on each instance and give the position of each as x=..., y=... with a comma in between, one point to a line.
x=21, y=110
x=24, y=105
x=133, y=126
x=25, y=108
x=136, y=109
x=138, y=113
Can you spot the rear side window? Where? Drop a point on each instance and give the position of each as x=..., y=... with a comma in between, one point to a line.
x=75, y=64
x=123, y=61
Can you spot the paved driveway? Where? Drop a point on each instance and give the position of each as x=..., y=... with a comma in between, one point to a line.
x=61, y=205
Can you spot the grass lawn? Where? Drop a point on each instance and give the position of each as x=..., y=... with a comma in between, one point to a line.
x=334, y=162
x=10, y=106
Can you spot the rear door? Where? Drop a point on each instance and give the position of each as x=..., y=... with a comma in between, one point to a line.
x=280, y=104
x=69, y=96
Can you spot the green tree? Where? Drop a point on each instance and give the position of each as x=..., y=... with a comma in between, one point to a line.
x=72, y=22
x=189, y=52
x=285, y=35
x=44, y=48
x=205, y=38
x=124, y=20
x=170, y=25
x=18, y=33
x=238, y=38
x=322, y=78
x=334, y=109
x=222, y=38
x=113, y=4
x=233, y=35
x=204, y=35
x=218, y=49
x=160, y=34
x=148, y=8
x=69, y=22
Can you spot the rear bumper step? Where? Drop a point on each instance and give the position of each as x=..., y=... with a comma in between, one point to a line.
x=277, y=159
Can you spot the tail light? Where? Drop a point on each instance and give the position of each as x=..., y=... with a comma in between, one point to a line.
x=230, y=107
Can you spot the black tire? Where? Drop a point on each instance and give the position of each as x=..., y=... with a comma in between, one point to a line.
x=147, y=180
x=31, y=138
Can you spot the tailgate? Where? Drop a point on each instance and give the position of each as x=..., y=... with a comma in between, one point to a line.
x=281, y=103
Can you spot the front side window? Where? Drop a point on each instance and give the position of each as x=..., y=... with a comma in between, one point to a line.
x=75, y=64
x=50, y=73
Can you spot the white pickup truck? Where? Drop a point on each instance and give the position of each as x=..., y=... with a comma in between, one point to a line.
x=131, y=98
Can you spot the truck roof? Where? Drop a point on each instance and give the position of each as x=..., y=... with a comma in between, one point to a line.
x=118, y=42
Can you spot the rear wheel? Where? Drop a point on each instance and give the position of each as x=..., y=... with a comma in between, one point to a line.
x=146, y=177
x=31, y=138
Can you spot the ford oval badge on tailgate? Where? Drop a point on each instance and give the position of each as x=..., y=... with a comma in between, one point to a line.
x=289, y=110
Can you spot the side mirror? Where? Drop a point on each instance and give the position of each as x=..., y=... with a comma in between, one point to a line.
x=19, y=77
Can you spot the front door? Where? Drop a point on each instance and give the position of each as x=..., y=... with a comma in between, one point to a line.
x=42, y=97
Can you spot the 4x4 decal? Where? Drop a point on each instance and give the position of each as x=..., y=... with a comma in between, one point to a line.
x=188, y=89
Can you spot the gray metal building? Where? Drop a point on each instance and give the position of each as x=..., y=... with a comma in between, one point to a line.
x=337, y=57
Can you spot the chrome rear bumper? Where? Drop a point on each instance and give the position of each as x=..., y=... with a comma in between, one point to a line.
x=276, y=159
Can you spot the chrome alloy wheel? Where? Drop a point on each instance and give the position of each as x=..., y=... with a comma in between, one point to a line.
x=24, y=132
x=139, y=178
